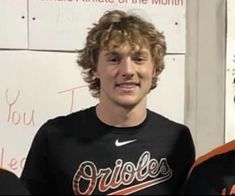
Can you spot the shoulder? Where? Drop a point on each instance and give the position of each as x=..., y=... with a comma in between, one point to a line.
x=175, y=132
x=219, y=151
x=74, y=119
x=174, y=135
x=65, y=125
x=164, y=122
x=11, y=184
x=6, y=174
x=76, y=116
x=214, y=155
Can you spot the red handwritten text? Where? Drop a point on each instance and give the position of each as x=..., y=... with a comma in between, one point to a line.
x=11, y=163
x=16, y=117
x=72, y=91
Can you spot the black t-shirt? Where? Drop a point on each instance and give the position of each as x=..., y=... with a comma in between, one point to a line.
x=213, y=173
x=79, y=154
x=10, y=184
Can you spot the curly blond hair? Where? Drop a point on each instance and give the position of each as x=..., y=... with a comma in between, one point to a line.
x=120, y=27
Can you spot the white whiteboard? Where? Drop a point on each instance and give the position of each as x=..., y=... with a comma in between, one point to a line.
x=13, y=24
x=36, y=86
x=230, y=73
x=62, y=24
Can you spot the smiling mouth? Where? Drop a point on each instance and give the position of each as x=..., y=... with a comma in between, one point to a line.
x=124, y=86
x=128, y=85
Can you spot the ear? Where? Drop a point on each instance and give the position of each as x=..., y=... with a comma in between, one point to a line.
x=95, y=74
x=154, y=71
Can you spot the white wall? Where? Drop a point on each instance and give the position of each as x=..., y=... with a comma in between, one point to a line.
x=230, y=73
x=205, y=72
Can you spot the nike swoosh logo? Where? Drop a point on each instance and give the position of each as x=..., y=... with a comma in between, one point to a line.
x=119, y=144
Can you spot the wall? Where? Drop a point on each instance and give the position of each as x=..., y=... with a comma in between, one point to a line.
x=205, y=72
x=230, y=73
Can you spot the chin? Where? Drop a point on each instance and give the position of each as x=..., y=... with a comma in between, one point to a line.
x=127, y=102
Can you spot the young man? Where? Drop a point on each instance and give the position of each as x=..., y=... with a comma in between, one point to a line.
x=119, y=146
x=10, y=184
x=213, y=173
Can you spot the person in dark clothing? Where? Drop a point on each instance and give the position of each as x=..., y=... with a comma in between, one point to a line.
x=10, y=184
x=213, y=173
x=118, y=146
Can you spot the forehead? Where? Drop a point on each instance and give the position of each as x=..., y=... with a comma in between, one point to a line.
x=126, y=48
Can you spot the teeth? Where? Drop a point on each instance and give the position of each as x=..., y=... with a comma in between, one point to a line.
x=127, y=86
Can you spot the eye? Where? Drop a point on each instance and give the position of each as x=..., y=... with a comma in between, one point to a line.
x=139, y=59
x=113, y=59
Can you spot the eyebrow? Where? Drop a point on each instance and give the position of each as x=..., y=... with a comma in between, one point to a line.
x=111, y=53
x=116, y=52
x=141, y=52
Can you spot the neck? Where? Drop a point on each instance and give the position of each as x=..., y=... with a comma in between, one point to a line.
x=120, y=116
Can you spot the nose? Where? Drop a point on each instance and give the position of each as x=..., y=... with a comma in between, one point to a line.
x=127, y=68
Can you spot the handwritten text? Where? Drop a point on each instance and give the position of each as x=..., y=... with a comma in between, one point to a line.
x=18, y=117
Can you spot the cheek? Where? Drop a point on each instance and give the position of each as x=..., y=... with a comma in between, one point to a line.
x=110, y=72
x=105, y=75
x=100, y=72
x=148, y=73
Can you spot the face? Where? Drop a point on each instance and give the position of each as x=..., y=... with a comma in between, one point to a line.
x=125, y=75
